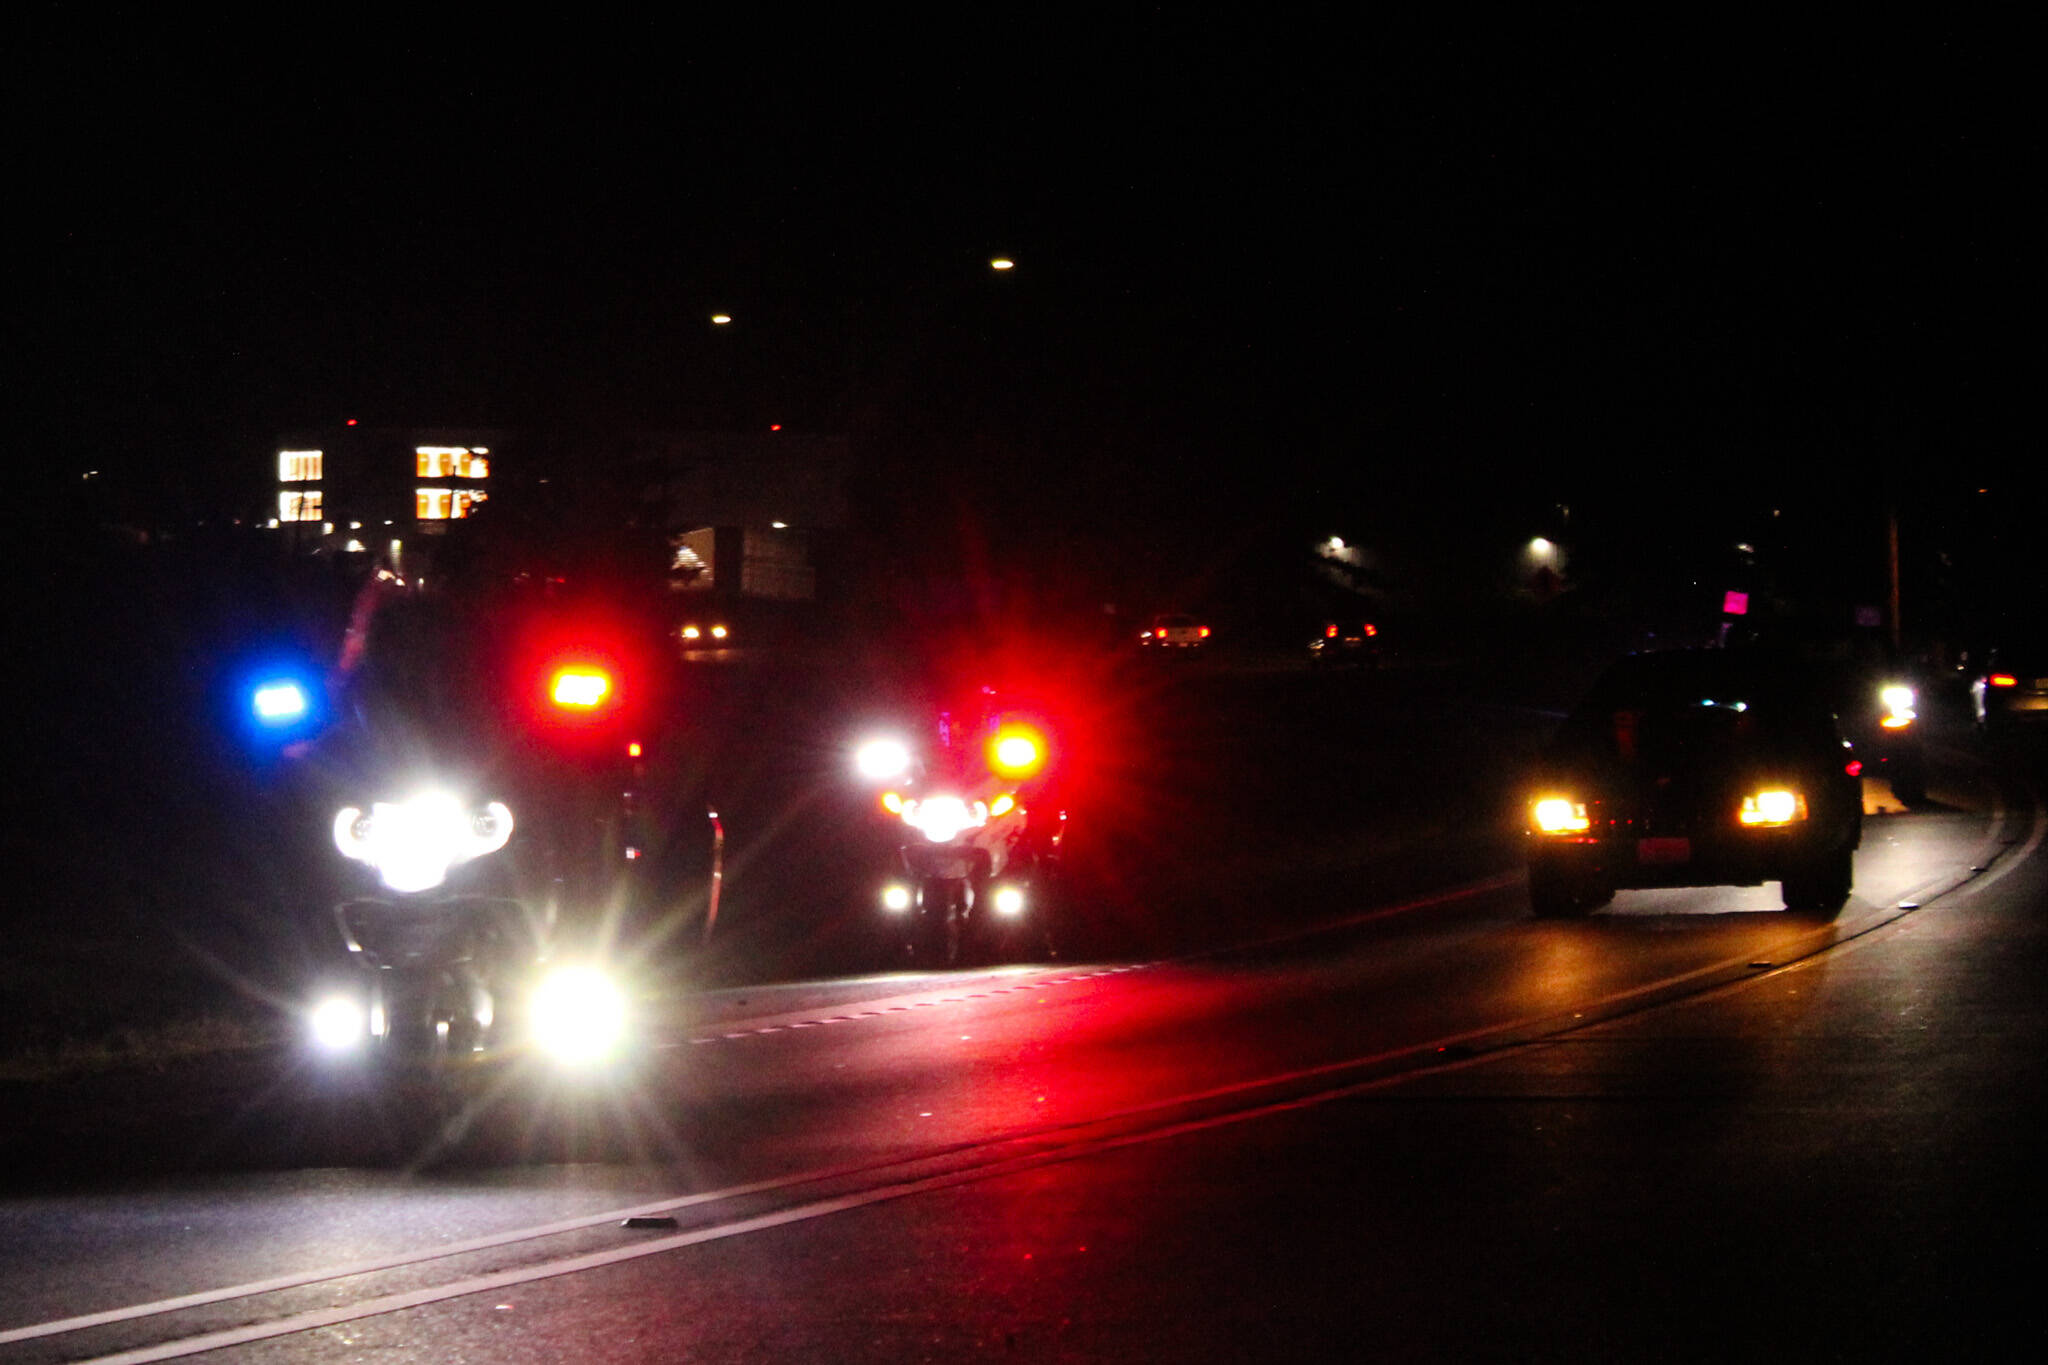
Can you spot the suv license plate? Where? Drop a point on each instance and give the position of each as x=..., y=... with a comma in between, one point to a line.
x=1663, y=852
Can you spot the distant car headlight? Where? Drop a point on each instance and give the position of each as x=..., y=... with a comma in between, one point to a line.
x=1899, y=701
x=1560, y=815
x=1009, y=901
x=1773, y=806
x=579, y=1015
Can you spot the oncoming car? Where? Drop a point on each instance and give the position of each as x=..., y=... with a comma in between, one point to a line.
x=1697, y=768
x=704, y=634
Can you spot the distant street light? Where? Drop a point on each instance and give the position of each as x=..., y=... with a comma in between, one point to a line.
x=720, y=319
x=1002, y=263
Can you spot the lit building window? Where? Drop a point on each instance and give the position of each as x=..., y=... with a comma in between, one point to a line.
x=298, y=466
x=452, y=462
x=446, y=504
x=294, y=505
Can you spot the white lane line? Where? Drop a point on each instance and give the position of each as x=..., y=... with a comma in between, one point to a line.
x=1027, y=978
x=274, y=1284
x=393, y=1303
x=902, y=1004
x=399, y=1260
x=2026, y=851
x=668, y=1205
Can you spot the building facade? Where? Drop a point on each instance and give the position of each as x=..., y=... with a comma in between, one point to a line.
x=743, y=516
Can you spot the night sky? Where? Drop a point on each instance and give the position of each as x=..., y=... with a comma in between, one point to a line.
x=1344, y=276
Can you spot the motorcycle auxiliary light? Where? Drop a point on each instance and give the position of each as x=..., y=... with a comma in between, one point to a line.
x=579, y=1015
x=338, y=1023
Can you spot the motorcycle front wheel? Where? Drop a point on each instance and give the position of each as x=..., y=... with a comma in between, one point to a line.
x=941, y=921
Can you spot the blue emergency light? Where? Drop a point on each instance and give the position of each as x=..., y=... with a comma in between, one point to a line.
x=280, y=701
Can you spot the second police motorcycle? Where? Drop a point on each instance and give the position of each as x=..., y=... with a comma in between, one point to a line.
x=973, y=809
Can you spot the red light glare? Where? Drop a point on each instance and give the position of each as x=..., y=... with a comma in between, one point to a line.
x=1016, y=751
x=2003, y=680
x=351, y=422
x=633, y=750
x=579, y=687
x=1329, y=632
x=1854, y=767
x=1371, y=629
x=1205, y=632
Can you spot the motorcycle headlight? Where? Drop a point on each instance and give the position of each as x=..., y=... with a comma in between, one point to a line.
x=579, y=1015
x=942, y=819
x=413, y=843
x=1898, y=701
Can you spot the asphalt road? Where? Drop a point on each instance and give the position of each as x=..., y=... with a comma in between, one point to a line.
x=1407, y=1122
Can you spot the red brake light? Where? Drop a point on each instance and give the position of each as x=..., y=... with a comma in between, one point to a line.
x=1854, y=767
x=1371, y=629
x=2003, y=680
x=1329, y=632
x=1205, y=632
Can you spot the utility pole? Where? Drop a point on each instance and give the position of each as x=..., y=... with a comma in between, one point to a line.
x=1892, y=554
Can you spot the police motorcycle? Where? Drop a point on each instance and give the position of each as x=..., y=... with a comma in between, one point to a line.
x=467, y=874
x=977, y=828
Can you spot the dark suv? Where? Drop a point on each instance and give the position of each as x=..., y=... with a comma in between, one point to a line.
x=1697, y=768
